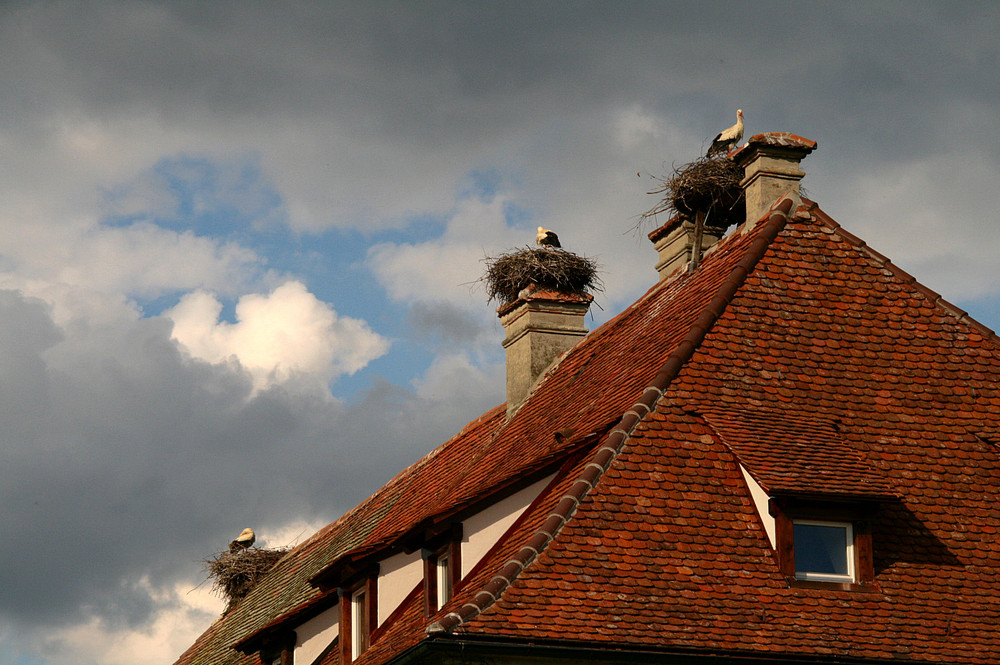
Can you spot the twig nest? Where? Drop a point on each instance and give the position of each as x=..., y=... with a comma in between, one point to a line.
x=234, y=574
x=709, y=184
x=550, y=269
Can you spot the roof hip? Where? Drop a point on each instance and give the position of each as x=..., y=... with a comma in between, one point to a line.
x=606, y=454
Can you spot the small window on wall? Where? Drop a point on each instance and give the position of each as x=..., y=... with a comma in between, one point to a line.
x=442, y=569
x=823, y=543
x=824, y=551
x=359, y=622
x=358, y=616
x=279, y=650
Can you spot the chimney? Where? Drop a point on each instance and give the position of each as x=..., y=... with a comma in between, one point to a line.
x=675, y=243
x=771, y=169
x=541, y=325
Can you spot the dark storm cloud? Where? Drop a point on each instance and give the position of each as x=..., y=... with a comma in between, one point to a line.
x=451, y=70
x=408, y=98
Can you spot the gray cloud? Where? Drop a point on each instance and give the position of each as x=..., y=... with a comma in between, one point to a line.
x=123, y=459
x=445, y=323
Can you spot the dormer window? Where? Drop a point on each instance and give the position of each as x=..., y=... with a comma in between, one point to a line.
x=442, y=569
x=358, y=617
x=824, y=551
x=824, y=543
x=278, y=650
x=359, y=622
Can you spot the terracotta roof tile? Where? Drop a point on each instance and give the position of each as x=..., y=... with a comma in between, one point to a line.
x=796, y=452
x=826, y=367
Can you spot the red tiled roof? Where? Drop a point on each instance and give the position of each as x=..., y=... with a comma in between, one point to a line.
x=792, y=349
x=668, y=544
x=286, y=587
x=796, y=452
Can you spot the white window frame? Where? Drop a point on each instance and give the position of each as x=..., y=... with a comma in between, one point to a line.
x=828, y=577
x=442, y=573
x=359, y=621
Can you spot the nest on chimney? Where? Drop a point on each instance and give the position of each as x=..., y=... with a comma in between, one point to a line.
x=709, y=184
x=234, y=574
x=549, y=268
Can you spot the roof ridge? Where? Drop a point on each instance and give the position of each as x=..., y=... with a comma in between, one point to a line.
x=405, y=475
x=594, y=334
x=602, y=458
x=590, y=338
x=885, y=262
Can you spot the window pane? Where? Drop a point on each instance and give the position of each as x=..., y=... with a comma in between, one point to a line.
x=443, y=570
x=359, y=623
x=822, y=548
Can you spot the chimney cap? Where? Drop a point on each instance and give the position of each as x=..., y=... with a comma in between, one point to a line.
x=779, y=140
x=660, y=232
x=535, y=292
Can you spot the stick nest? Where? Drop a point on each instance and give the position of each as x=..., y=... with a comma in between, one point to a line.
x=234, y=574
x=708, y=184
x=552, y=269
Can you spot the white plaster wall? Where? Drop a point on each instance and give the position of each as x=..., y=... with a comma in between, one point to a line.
x=315, y=635
x=482, y=530
x=760, y=499
x=396, y=578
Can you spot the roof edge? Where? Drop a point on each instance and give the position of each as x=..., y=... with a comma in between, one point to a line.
x=300, y=613
x=366, y=549
x=901, y=274
x=577, y=651
x=602, y=458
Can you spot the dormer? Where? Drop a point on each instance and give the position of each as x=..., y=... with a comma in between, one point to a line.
x=442, y=557
x=820, y=540
x=815, y=496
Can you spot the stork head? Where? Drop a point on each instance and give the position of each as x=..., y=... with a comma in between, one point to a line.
x=739, y=113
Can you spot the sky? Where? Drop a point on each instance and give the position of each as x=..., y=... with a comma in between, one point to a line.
x=240, y=242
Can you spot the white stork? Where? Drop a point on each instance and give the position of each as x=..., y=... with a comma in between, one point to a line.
x=546, y=238
x=727, y=138
x=243, y=541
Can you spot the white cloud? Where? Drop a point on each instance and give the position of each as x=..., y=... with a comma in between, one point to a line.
x=287, y=535
x=446, y=268
x=635, y=125
x=276, y=337
x=926, y=215
x=184, y=614
x=141, y=259
x=449, y=370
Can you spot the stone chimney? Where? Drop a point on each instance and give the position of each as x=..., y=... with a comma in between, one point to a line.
x=771, y=169
x=541, y=325
x=675, y=240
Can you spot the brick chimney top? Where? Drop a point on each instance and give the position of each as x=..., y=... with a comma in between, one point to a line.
x=541, y=325
x=771, y=168
x=779, y=140
x=674, y=243
x=535, y=292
